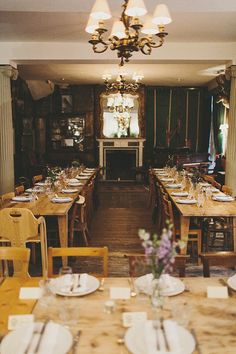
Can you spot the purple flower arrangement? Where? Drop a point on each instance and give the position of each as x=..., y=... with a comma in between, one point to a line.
x=160, y=251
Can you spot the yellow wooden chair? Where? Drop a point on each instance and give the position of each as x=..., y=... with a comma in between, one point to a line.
x=19, y=226
x=21, y=255
x=79, y=252
x=78, y=221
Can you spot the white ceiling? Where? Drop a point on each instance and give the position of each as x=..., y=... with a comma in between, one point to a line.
x=46, y=40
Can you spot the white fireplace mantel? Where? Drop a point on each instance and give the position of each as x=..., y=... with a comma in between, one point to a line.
x=136, y=144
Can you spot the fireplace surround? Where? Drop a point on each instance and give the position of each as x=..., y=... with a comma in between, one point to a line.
x=131, y=154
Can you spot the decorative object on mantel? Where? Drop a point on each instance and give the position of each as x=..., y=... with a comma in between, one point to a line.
x=125, y=35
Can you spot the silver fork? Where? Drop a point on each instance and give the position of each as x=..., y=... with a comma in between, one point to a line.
x=164, y=335
x=156, y=325
x=76, y=341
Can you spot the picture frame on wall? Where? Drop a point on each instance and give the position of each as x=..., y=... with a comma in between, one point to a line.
x=66, y=104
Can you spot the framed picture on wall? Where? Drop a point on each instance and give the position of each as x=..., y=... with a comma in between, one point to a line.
x=66, y=104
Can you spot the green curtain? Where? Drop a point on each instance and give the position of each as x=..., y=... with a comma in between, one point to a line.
x=189, y=118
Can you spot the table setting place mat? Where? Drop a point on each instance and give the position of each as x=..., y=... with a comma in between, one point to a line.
x=159, y=337
x=48, y=337
x=61, y=200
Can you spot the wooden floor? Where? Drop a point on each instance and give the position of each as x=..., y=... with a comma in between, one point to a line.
x=122, y=212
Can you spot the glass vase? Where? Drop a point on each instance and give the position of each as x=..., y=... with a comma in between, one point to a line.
x=157, y=299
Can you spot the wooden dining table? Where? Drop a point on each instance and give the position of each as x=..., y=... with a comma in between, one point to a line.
x=43, y=206
x=212, y=320
x=210, y=209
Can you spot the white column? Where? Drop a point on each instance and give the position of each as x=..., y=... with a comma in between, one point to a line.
x=6, y=130
x=230, y=175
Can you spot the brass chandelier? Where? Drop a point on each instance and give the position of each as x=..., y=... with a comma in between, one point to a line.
x=126, y=35
x=121, y=85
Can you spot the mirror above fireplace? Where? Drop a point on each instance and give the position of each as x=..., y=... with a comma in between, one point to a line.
x=120, y=115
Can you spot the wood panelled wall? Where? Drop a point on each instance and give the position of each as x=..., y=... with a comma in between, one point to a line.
x=164, y=110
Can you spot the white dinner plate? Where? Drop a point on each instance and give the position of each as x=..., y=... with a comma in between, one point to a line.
x=135, y=339
x=204, y=184
x=83, y=177
x=75, y=184
x=68, y=190
x=160, y=173
x=61, y=200
x=173, y=185
x=92, y=285
x=167, y=179
x=223, y=198
x=144, y=285
x=232, y=282
x=22, y=198
x=37, y=190
x=15, y=341
x=40, y=184
x=186, y=201
x=179, y=194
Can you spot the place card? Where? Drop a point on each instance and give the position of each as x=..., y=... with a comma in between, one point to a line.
x=15, y=320
x=30, y=293
x=120, y=293
x=217, y=292
x=131, y=318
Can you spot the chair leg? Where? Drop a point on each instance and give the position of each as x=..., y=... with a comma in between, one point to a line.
x=206, y=268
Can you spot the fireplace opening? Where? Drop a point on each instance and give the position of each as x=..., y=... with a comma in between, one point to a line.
x=120, y=165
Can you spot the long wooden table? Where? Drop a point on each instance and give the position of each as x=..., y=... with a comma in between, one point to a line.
x=211, y=208
x=213, y=320
x=44, y=207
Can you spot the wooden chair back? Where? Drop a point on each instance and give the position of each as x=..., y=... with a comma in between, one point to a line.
x=8, y=196
x=22, y=255
x=78, y=252
x=227, y=190
x=137, y=263
x=19, y=190
x=207, y=178
x=78, y=220
x=19, y=226
x=224, y=259
x=37, y=178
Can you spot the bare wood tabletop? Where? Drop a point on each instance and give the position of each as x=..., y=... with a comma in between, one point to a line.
x=213, y=320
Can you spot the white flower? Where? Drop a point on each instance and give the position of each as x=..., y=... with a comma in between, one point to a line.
x=144, y=235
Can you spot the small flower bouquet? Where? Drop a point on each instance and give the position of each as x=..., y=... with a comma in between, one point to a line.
x=160, y=251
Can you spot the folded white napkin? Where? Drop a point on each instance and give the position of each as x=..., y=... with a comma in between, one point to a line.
x=31, y=335
x=152, y=335
x=71, y=283
x=144, y=283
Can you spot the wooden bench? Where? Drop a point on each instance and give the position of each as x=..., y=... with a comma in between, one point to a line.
x=224, y=259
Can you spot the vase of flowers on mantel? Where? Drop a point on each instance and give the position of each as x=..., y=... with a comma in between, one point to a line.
x=160, y=252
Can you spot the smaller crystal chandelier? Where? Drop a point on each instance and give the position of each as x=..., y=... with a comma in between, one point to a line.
x=121, y=85
x=125, y=35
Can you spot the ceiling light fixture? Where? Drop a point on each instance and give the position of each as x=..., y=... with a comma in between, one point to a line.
x=121, y=85
x=125, y=34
